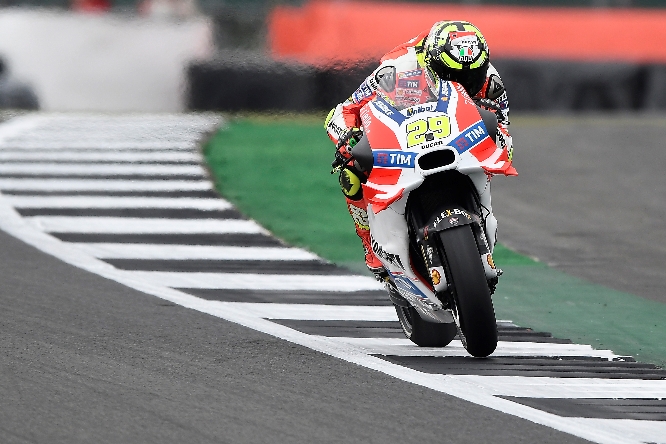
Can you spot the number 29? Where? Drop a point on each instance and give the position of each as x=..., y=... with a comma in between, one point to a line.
x=416, y=130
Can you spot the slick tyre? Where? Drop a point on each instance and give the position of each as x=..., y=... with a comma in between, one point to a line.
x=472, y=306
x=423, y=333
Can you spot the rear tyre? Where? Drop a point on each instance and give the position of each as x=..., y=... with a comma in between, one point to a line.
x=423, y=333
x=472, y=306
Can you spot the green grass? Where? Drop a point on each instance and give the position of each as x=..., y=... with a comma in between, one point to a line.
x=276, y=171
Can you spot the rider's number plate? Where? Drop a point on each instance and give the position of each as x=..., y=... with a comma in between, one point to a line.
x=418, y=130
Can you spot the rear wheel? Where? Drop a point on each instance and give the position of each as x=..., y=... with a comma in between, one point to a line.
x=472, y=306
x=423, y=333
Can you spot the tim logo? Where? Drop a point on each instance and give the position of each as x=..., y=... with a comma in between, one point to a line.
x=470, y=138
x=474, y=134
x=411, y=84
x=393, y=159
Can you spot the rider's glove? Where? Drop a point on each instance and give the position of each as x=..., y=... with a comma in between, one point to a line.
x=343, y=148
x=490, y=105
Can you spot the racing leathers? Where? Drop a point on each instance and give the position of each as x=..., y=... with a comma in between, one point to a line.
x=407, y=59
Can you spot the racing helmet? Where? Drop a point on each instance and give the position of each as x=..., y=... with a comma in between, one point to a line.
x=456, y=51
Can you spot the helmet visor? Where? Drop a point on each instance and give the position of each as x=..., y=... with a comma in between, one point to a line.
x=471, y=79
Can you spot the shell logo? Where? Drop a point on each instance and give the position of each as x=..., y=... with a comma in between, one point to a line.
x=436, y=277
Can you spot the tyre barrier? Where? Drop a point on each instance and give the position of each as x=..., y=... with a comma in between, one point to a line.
x=238, y=82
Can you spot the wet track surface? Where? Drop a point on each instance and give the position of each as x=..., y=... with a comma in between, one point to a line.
x=98, y=360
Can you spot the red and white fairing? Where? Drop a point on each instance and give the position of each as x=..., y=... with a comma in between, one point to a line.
x=400, y=140
x=475, y=152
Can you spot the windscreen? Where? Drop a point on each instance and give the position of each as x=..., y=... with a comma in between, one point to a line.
x=403, y=89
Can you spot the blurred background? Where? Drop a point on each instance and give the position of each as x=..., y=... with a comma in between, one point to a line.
x=257, y=55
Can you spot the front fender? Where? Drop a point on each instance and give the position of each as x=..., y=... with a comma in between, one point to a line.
x=444, y=218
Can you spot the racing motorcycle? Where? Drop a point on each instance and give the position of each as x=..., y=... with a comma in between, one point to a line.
x=428, y=168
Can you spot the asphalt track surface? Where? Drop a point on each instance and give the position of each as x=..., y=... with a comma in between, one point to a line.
x=589, y=199
x=85, y=358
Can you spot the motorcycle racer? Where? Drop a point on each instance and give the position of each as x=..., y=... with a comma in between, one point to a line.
x=451, y=50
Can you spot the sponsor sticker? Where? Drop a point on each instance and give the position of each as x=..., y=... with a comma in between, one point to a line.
x=405, y=286
x=471, y=137
x=336, y=129
x=366, y=119
x=436, y=277
x=407, y=100
x=382, y=106
x=430, y=145
x=408, y=92
x=393, y=159
x=420, y=109
x=409, y=83
x=451, y=216
x=393, y=259
x=407, y=74
x=363, y=92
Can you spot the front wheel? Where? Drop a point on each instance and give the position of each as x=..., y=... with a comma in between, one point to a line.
x=423, y=333
x=472, y=306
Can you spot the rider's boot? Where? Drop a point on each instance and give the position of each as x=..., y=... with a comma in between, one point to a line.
x=357, y=210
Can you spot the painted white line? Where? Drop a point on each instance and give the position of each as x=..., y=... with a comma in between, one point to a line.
x=67, y=131
x=64, y=169
x=634, y=430
x=571, y=388
x=251, y=281
x=12, y=223
x=100, y=156
x=99, y=144
x=314, y=312
x=602, y=431
x=80, y=123
x=137, y=225
x=189, y=252
x=205, y=204
x=19, y=125
x=404, y=347
x=102, y=185
x=76, y=119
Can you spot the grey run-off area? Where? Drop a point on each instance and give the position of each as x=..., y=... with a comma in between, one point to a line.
x=590, y=198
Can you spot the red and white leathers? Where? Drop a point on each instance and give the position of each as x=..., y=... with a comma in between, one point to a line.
x=409, y=57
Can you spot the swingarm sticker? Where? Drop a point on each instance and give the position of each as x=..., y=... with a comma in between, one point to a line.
x=406, y=287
